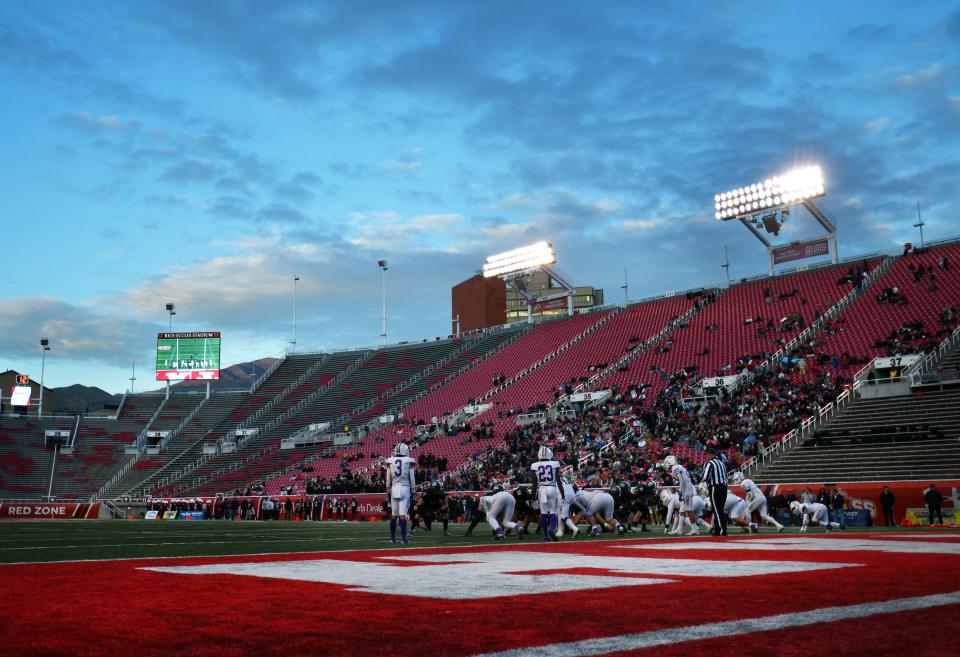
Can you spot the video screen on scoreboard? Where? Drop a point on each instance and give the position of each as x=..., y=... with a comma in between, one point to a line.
x=188, y=356
x=20, y=396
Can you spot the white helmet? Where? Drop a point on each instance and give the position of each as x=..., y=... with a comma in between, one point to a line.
x=703, y=489
x=665, y=496
x=735, y=478
x=795, y=507
x=707, y=505
x=401, y=449
x=669, y=461
x=545, y=453
x=747, y=484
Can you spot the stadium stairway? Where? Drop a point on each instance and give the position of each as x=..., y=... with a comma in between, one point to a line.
x=98, y=447
x=391, y=372
x=907, y=438
x=178, y=446
x=299, y=377
x=866, y=321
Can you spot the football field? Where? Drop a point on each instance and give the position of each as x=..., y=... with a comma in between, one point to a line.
x=339, y=589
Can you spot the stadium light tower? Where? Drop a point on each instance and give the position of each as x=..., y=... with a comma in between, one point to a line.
x=172, y=309
x=293, y=342
x=45, y=347
x=382, y=264
x=512, y=266
x=767, y=204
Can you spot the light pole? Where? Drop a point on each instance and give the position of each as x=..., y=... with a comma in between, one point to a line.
x=133, y=374
x=45, y=347
x=625, y=287
x=294, y=340
x=919, y=224
x=172, y=309
x=383, y=271
x=457, y=322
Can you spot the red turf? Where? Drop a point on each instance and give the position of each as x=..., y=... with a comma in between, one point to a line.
x=114, y=608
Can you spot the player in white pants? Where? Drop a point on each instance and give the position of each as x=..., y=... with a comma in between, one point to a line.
x=546, y=477
x=736, y=510
x=401, y=480
x=757, y=503
x=498, y=508
x=685, y=490
x=598, y=510
x=677, y=521
x=816, y=512
x=569, y=493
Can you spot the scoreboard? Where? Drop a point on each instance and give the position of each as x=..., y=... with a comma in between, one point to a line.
x=188, y=356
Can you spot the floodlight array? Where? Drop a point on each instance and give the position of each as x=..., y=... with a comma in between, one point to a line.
x=523, y=259
x=780, y=191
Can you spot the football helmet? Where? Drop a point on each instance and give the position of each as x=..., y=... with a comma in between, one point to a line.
x=735, y=478
x=747, y=484
x=703, y=490
x=545, y=453
x=669, y=461
x=795, y=507
x=498, y=488
x=665, y=496
x=436, y=483
x=614, y=491
x=401, y=450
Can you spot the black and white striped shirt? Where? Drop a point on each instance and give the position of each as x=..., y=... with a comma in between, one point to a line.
x=715, y=472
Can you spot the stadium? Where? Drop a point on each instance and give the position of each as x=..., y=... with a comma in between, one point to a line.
x=769, y=464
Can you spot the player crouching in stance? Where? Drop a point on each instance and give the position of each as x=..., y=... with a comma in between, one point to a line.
x=818, y=513
x=401, y=480
x=757, y=503
x=736, y=511
x=569, y=496
x=546, y=477
x=497, y=507
x=598, y=508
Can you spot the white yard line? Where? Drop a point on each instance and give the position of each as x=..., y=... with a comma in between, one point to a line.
x=727, y=629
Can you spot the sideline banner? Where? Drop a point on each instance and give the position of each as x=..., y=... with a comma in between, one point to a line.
x=866, y=496
x=47, y=510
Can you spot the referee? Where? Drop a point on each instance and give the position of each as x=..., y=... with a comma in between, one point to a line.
x=715, y=475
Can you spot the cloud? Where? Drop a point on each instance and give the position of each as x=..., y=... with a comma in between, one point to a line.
x=75, y=332
x=98, y=124
x=922, y=77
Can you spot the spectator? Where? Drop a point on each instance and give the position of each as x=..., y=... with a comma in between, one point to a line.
x=934, y=500
x=887, y=500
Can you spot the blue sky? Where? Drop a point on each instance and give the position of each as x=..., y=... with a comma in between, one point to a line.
x=204, y=153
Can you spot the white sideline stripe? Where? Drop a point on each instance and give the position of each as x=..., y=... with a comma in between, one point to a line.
x=318, y=553
x=625, y=642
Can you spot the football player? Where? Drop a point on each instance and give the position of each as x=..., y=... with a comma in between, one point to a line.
x=401, y=480
x=598, y=508
x=433, y=506
x=757, y=503
x=818, y=513
x=644, y=497
x=569, y=495
x=676, y=521
x=686, y=490
x=736, y=510
x=546, y=477
x=498, y=509
x=525, y=510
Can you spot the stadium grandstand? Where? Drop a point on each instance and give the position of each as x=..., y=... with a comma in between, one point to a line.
x=790, y=374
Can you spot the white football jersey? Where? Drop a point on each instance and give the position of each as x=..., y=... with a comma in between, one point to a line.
x=731, y=504
x=400, y=471
x=547, y=472
x=682, y=477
